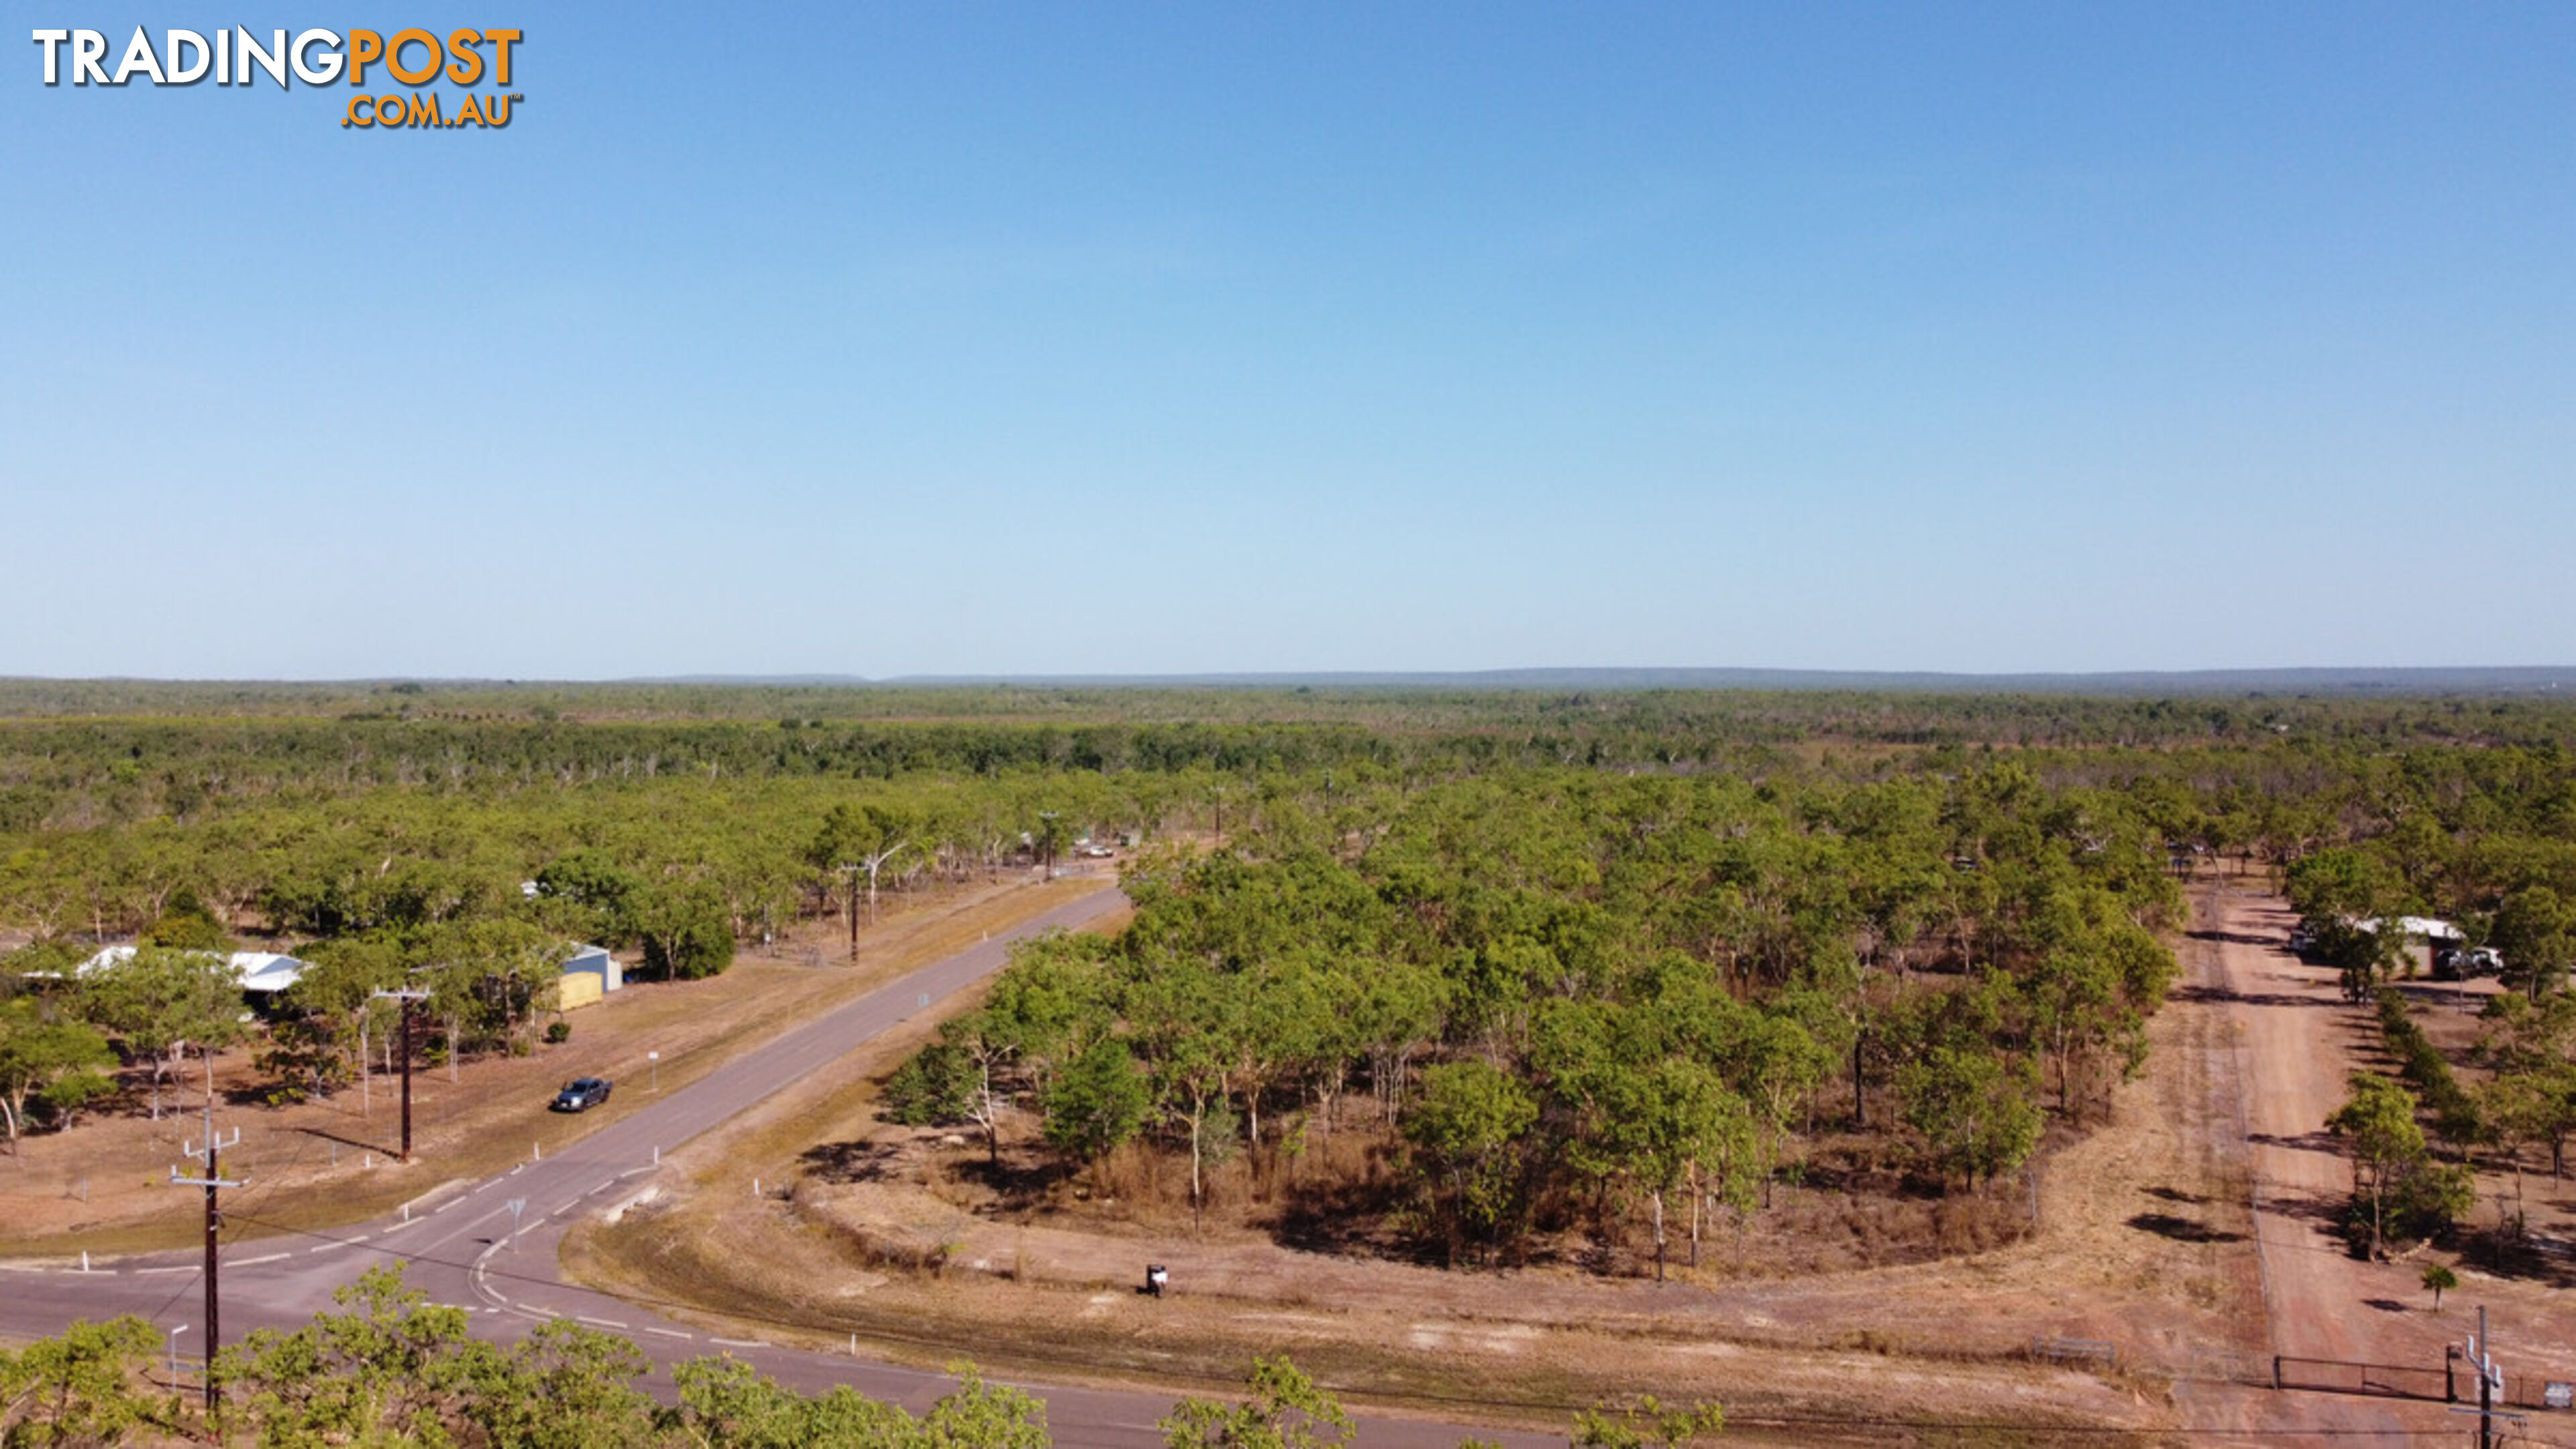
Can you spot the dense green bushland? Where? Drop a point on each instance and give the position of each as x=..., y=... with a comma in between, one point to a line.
x=1572, y=992
x=1519, y=877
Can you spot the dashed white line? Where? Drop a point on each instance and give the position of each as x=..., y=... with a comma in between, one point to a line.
x=264, y=1258
x=601, y=1322
x=668, y=1332
x=165, y=1270
x=737, y=1342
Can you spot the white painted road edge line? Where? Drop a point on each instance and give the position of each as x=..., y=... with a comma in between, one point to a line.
x=167, y=1270
x=737, y=1342
x=668, y=1332
x=248, y=1262
x=601, y=1322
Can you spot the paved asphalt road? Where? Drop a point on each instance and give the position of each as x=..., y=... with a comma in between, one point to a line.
x=458, y=1246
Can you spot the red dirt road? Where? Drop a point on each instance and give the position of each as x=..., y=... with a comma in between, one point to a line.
x=2297, y=1040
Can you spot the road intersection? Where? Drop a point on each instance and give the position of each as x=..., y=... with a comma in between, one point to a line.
x=467, y=1245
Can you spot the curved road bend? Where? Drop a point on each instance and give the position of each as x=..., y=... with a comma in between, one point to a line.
x=458, y=1248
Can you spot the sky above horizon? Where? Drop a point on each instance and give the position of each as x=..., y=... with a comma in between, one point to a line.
x=903, y=339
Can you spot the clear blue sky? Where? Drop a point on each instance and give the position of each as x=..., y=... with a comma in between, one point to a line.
x=926, y=337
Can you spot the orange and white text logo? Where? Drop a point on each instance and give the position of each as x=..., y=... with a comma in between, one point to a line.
x=423, y=79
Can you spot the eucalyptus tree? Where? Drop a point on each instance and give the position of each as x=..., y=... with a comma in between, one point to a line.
x=49, y=1059
x=161, y=1002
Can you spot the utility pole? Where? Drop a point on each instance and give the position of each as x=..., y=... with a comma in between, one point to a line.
x=212, y=1182
x=2481, y=1359
x=404, y=998
x=852, y=871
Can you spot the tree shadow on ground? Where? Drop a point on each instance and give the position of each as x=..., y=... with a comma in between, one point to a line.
x=1017, y=1184
x=2327, y=1213
x=846, y=1162
x=2238, y=938
x=2325, y=1142
x=359, y=1144
x=2530, y=1259
x=2204, y=994
x=2182, y=1229
x=1352, y=1219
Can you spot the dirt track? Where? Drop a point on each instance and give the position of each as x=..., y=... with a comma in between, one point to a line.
x=2297, y=1040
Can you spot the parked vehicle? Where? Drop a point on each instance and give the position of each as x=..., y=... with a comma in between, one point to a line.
x=581, y=1094
x=2455, y=964
x=2303, y=938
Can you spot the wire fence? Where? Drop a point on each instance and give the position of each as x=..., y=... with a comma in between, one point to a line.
x=2392, y=1381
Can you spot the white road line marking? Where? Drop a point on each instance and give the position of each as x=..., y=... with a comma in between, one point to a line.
x=165, y=1270
x=668, y=1332
x=247, y=1262
x=355, y=1238
x=602, y=1322
x=737, y=1342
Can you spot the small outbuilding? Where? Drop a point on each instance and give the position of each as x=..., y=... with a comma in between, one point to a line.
x=595, y=961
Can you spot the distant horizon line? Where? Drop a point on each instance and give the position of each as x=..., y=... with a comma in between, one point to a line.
x=2326, y=678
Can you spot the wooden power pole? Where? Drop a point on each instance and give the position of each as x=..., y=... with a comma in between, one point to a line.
x=405, y=998
x=213, y=1182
